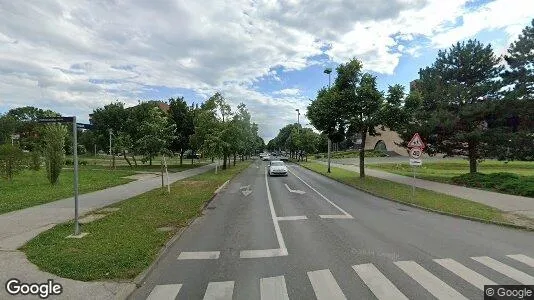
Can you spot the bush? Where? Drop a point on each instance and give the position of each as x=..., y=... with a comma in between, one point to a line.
x=54, y=141
x=83, y=163
x=503, y=182
x=11, y=160
x=35, y=160
x=69, y=162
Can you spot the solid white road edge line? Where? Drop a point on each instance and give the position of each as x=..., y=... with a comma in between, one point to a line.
x=333, y=204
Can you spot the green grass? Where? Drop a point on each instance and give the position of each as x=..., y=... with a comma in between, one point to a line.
x=351, y=154
x=454, y=172
x=30, y=188
x=124, y=243
x=403, y=193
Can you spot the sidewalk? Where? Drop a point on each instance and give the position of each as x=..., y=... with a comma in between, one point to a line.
x=508, y=203
x=18, y=227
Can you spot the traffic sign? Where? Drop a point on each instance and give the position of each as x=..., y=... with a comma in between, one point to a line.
x=416, y=153
x=56, y=120
x=85, y=126
x=416, y=142
x=416, y=162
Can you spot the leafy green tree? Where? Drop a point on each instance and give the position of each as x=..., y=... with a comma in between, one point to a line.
x=24, y=120
x=520, y=65
x=182, y=116
x=53, y=136
x=157, y=134
x=8, y=126
x=112, y=119
x=11, y=161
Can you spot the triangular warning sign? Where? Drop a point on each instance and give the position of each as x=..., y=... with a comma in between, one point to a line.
x=416, y=142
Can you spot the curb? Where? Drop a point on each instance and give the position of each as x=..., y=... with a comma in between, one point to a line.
x=139, y=279
x=525, y=228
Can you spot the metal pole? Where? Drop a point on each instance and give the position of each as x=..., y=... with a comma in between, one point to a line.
x=329, y=146
x=75, y=153
x=413, y=184
x=328, y=80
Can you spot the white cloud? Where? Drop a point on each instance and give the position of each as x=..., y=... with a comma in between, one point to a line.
x=74, y=56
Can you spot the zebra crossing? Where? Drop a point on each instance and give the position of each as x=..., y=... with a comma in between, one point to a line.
x=325, y=286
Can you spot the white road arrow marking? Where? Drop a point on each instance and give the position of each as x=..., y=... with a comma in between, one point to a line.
x=294, y=191
x=247, y=187
x=246, y=192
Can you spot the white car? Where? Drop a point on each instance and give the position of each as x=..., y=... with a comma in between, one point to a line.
x=277, y=167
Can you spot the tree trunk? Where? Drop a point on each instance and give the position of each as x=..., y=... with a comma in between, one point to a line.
x=235, y=155
x=162, y=182
x=113, y=161
x=362, y=154
x=134, y=160
x=225, y=156
x=181, y=157
x=150, y=160
x=472, y=147
x=126, y=158
x=212, y=160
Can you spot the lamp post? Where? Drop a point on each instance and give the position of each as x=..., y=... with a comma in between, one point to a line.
x=298, y=130
x=328, y=71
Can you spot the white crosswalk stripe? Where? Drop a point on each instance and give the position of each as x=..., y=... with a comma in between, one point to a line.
x=431, y=283
x=498, y=266
x=273, y=288
x=465, y=273
x=164, y=292
x=219, y=290
x=529, y=261
x=325, y=286
x=378, y=283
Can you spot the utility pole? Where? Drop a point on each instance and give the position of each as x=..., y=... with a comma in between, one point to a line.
x=328, y=71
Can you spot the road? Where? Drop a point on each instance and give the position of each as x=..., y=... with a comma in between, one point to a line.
x=305, y=236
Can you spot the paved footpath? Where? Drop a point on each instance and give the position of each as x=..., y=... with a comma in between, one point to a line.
x=18, y=227
x=508, y=203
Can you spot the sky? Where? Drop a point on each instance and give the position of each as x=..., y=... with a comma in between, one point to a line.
x=75, y=56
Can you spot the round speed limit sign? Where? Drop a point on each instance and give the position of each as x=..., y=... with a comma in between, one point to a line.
x=416, y=153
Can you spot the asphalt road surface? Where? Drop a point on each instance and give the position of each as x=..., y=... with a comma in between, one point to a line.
x=305, y=236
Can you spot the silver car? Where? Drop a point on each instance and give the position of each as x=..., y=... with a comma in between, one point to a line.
x=277, y=167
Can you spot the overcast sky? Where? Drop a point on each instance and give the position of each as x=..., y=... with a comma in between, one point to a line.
x=72, y=56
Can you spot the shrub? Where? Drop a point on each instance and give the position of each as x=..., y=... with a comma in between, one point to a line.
x=503, y=182
x=83, y=163
x=54, y=141
x=11, y=160
x=69, y=162
x=35, y=160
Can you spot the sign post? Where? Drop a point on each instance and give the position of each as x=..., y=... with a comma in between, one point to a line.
x=75, y=126
x=416, y=146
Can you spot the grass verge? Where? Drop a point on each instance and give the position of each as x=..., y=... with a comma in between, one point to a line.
x=124, y=243
x=30, y=188
x=403, y=193
x=513, y=178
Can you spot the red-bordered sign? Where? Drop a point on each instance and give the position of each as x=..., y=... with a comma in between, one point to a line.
x=416, y=142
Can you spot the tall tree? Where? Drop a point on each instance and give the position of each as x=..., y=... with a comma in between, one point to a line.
x=520, y=65
x=109, y=122
x=182, y=116
x=459, y=94
x=157, y=133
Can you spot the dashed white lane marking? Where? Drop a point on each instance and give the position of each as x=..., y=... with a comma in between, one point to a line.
x=294, y=191
x=465, y=273
x=219, y=291
x=262, y=253
x=292, y=218
x=378, y=283
x=529, y=261
x=348, y=216
x=164, y=292
x=431, y=283
x=325, y=286
x=498, y=266
x=335, y=217
x=273, y=288
x=199, y=255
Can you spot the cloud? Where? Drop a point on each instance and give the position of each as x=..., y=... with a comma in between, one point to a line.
x=76, y=56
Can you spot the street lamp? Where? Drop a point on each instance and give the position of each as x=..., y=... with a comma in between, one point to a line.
x=298, y=117
x=328, y=71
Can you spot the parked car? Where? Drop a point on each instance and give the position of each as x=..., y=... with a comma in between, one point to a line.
x=277, y=167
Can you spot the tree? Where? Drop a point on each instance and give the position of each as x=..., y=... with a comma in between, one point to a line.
x=23, y=121
x=520, y=65
x=11, y=161
x=157, y=133
x=8, y=126
x=54, y=141
x=112, y=119
x=182, y=116
x=459, y=94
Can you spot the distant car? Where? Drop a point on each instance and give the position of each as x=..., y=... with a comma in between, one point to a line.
x=265, y=157
x=283, y=158
x=277, y=167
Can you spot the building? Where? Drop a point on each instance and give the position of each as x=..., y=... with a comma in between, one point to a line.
x=386, y=141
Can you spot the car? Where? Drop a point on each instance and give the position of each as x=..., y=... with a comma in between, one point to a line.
x=277, y=167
